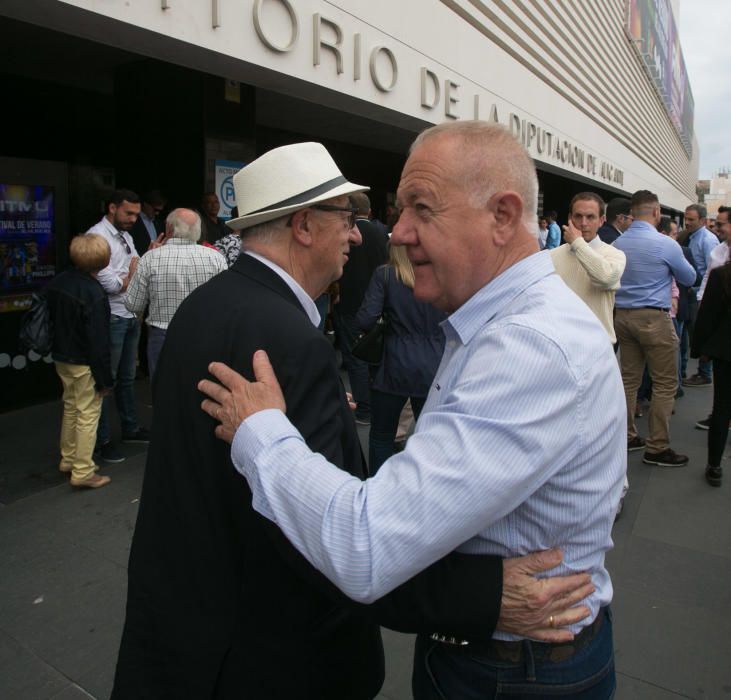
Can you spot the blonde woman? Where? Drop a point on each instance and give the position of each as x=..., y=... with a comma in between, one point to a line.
x=413, y=349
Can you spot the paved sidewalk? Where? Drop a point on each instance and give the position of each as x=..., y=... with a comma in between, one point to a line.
x=63, y=557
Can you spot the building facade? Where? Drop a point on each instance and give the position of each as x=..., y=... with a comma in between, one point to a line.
x=169, y=93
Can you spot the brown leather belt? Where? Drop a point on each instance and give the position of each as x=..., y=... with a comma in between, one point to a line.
x=515, y=652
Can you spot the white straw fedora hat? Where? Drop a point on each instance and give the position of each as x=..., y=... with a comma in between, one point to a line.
x=284, y=180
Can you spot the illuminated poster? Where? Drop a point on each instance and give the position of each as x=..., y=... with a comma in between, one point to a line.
x=27, y=243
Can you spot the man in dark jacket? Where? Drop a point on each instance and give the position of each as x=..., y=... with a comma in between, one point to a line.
x=149, y=223
x=79, y=311
x=687, y=303
x=357, y=272
x=618, y=220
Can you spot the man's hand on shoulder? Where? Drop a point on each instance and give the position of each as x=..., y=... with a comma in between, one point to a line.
x=539, y=608
x=235, y=399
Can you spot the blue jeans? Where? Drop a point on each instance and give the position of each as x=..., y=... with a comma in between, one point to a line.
x=124, y=334
x=705, y=368
x=357, y=369
x=385, y=411
x=448, y=672
x=155, y=340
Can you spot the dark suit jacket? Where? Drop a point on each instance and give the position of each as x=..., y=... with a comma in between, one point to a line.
x=608, y=233
x=687, y=300
x=712, y=332
x=141, y=237
x=220, y=605
x=362, y=261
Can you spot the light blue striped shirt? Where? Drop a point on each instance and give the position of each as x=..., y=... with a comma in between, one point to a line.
x=521, y=446
x=652, y=261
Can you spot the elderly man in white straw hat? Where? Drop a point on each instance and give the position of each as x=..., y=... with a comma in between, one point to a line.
x=220, y=605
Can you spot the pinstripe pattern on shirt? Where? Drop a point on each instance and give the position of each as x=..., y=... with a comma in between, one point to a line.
x=520, y=447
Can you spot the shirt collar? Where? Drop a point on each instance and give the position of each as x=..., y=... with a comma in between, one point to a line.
x=698, y=230
x=302, y=296
x=180, y=241
x=483, y=306
x=638, y=226
x=595, y=242
x=111, y=227
x=115, y=232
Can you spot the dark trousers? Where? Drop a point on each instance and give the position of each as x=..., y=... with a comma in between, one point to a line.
x=385, y=411
x=124, y=334
x=721, y=414
x=684, y=348
x=679, y=331
x=155, y=340
x=357, y=370
x=444, y=671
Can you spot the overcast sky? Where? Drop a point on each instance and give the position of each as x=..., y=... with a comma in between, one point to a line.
x=704, y=34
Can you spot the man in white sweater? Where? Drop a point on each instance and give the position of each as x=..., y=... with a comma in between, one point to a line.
x=589, y=267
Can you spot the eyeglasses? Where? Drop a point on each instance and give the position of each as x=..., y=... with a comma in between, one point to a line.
x=328, y=207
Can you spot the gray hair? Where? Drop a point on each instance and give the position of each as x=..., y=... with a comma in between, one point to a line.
x=183, y=223
x=266, y=232
x=491, y=160
x=698, y=209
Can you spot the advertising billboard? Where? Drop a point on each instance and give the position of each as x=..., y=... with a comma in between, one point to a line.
x=652, y=27
x=27, y=243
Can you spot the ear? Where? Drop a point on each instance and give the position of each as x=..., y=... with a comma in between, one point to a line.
x=301, y=228
x=507, y=208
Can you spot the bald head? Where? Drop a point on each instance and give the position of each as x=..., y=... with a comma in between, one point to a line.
x=468, y=200
x=183, y=223
x=489, y=160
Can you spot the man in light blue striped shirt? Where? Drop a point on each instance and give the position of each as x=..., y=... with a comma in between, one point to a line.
x=520, y=446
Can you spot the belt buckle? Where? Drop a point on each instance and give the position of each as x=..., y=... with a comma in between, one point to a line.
x=444, y=639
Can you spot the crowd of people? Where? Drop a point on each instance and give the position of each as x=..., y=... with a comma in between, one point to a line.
x=520, y=346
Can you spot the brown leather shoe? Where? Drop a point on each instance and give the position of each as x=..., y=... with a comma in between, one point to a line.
x=95, y=481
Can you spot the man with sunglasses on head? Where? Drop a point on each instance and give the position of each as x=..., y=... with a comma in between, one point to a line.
x=122, y=211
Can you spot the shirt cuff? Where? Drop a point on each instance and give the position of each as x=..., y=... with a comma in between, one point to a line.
x=255, y=434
